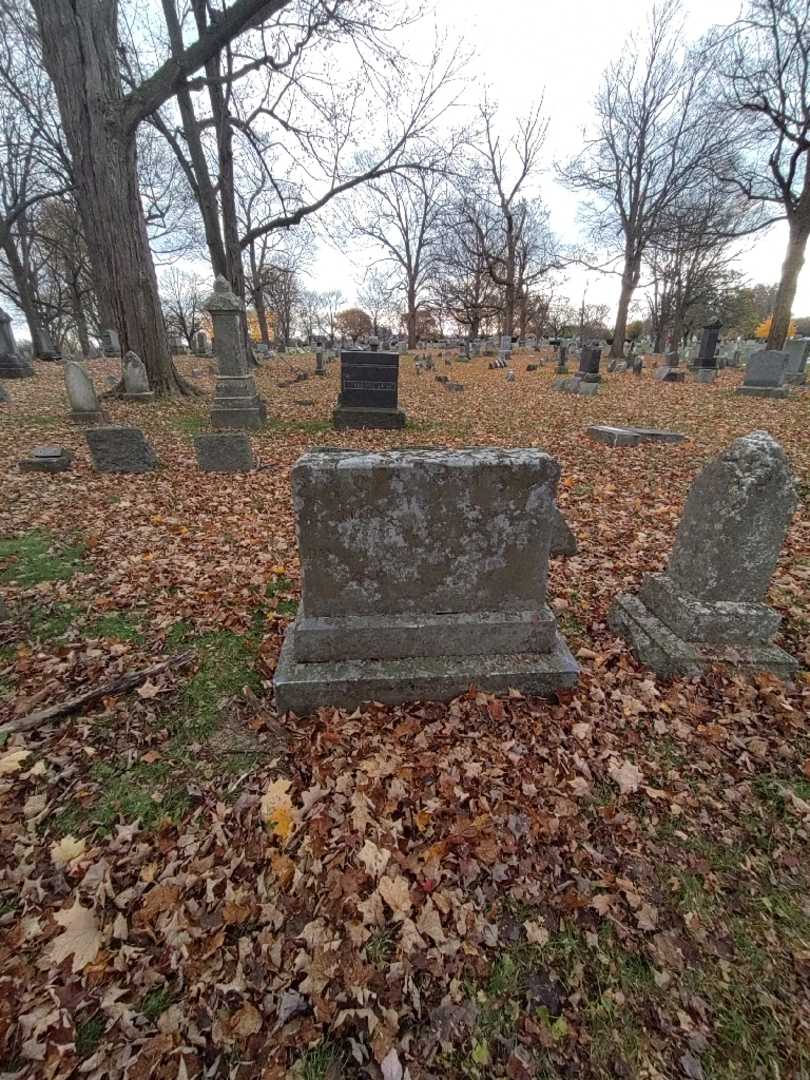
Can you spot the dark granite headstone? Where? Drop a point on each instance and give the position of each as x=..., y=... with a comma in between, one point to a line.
x=589, y=357
x=368, y=391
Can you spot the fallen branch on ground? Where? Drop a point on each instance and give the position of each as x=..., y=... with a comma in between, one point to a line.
x=117, y=686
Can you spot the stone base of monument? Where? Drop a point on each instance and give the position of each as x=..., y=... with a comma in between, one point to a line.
x=576, y=385
x=89, y=419
x=236, y=404
x=657, y=647
x=49, y=459
x=670, y=374
x=304, y=687
x=145, y=398
x=344, y=417
x=705, y=375
x=14, y=366
x=763, y=391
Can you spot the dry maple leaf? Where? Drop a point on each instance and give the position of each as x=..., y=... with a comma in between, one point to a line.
x=66, y=849
x=148, y=691
x=396, y=894
x=277, y=809
x=246, y=1021
x=12, y=761
x=80, y=936
x=647, y=917
x=627, y=776
x=373, y=858
x=536, y=933
x=430, y=923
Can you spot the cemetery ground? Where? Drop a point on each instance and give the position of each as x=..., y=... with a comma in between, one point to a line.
x=613, y=883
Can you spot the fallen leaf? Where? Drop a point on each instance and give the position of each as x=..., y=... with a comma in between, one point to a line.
x=627, y=776
x=396, y=894
x=80, y=936
x=12, y=761
x=66, y=850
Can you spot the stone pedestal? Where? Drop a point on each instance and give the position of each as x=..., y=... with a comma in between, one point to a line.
x=708, y=607
x=396, y=603
x=49, y=459
x=237, y=404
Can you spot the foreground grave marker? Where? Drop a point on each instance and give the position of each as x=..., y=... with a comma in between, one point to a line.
x=423, y=572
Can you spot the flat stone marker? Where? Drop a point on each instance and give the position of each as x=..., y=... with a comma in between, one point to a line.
x=708, y=607
x=631, y=436
x=423, y=572
x=120, y=449
x=765, y=375
x=224, y=452
x=575, y=384
x=50, y=459
x=454, y=387
x=669, y=374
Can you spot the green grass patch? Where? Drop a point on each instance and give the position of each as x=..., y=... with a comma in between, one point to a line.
x=36, y=557
x=316, y=1062
x=380, y=948
x=116, y=627
x=190, y=423
x=227, y=665
x=147, y=793
x=156, y=1003
x=52, y=623
x=89, y=1034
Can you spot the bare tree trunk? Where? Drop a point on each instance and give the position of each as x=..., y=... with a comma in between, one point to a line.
x=791, y=268
x=28, y=302
x=411, y=315
x=81, y=320
x=79, y=44
x=629, y=282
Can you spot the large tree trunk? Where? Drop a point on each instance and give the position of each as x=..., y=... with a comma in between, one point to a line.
x=791, y=268
x=80, y=318
x=629, y=282
x=411, y=316
x=25, y=290
x=80, y=43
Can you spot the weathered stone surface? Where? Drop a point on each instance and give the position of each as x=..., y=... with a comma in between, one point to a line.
x=668, y=655
x=728, y=541
x=766, y=369
x=302, y=687
x=705, y=374
x=576, y=385
x=669, y=374
x=354, y=418
x=798, y=350
x=50, y=459
x=120, y=449
x=225, y=452
x=236, y=403
x=454, y=387
x=563, y=542
x=136, y=380
x=734, y=522
x=13, y=365
x=5, y=396
x=110, y=344
x=402, y=531
x=776, y=392
x=422, y=571
x=84, y=405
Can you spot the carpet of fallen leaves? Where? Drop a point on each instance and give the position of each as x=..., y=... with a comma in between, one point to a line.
x=614, y=883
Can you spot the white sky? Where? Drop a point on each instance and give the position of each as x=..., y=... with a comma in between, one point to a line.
x=525, y=46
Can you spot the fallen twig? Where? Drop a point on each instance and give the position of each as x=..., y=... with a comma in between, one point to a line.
x=117, y=686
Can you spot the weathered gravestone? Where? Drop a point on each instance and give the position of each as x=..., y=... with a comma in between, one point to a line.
x=320, y=362
x=236, y=402
x=49, y=459
x=202, y=345
x=224, y=452
x=510, y=376
x=423, y=572
x=575, y=384
x=708, y=607
x=47, y=350
x=454, y=387
x=563, y=542
x=120, y=449
x=13, y=365
x=136, y=380
x=110, y=344
x=84, y=406
x=798, y=350
x=589, y=359
x=765, y=375
x=368, y=391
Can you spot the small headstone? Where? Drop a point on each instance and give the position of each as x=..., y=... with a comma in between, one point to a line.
x=798, y=350
x=532, y=367
x=443, y=378
x=708, y=606
x=84, y=406
x=575, y=384
x=224, y=452
x=765, y=375
x=563, y=542
x=631, y=436
x=50, y=459
x=202, y=345
x=510, y=376
x=669, y=374
x=320, y=362
x=110, y=344
x=455, y=387
x=136, y=381
x=120, y=449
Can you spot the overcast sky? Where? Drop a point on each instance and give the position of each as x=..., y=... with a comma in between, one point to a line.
x=526, y=46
